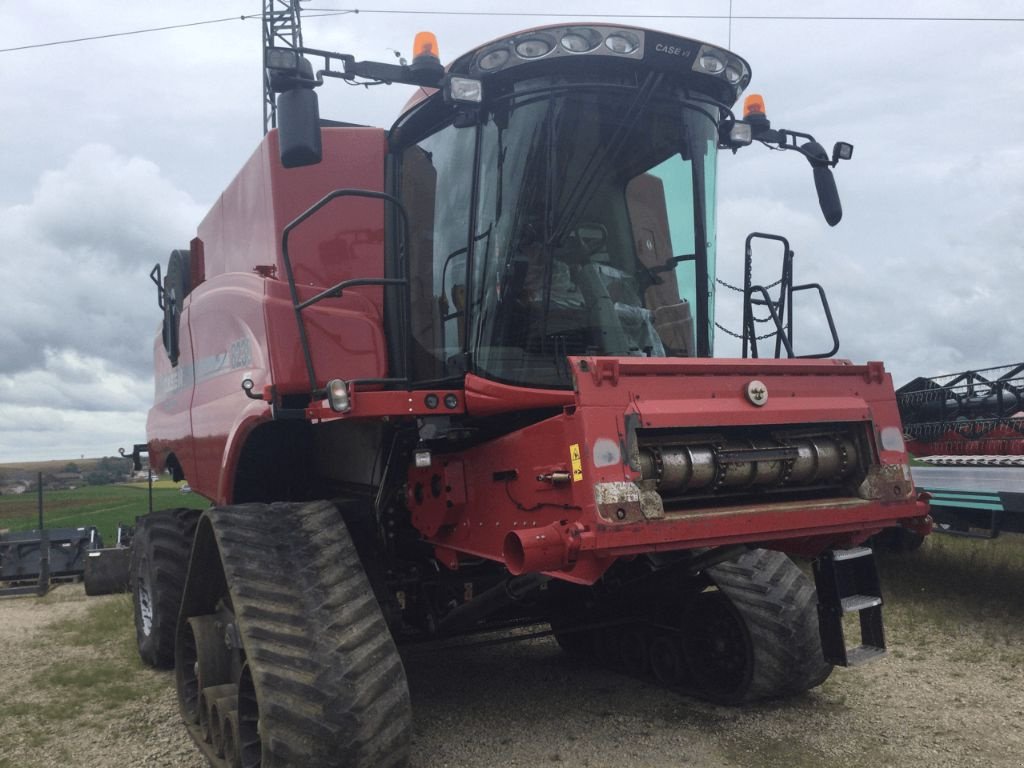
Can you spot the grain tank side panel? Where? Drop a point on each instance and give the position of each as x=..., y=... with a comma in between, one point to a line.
x=241, y=320
x=344, y=241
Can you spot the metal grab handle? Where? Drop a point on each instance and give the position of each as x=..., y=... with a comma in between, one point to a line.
x=337, y=289
x=828, y=317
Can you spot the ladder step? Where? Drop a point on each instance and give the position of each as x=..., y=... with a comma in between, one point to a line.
x=855, y=603
x=840, y=555
x=863, y=654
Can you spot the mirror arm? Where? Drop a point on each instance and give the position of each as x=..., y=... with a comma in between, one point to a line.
x=347, y=68
x=786, y=139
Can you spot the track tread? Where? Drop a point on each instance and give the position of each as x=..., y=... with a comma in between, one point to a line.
x=326, y=670
x=777, y=603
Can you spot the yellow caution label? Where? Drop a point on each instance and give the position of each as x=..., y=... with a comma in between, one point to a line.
x=577, y=462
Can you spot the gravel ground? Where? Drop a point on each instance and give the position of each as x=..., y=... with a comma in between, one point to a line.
x=946, y=696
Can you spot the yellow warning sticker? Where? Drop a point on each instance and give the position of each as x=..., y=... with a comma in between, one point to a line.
x=577, y=462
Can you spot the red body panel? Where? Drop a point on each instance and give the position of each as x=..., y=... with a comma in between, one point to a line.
x=502, y=492
x=169, y=422
x=238, y=321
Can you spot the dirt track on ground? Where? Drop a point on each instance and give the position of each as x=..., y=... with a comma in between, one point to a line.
x=945, y=696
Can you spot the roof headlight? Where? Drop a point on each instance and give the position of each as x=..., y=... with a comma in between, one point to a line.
x=337, y=395
x=621, y=42
x=740, y=134
x=282, y=58
x=580, y=40
x=464, y=89
x=733, y=73
x=711, y=63
x=493, y=59
x=534, y=47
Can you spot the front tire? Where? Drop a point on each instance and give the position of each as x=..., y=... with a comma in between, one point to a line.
x=757, y=636
x=159, y=564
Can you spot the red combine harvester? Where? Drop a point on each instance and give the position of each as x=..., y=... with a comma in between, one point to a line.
x=456, y=376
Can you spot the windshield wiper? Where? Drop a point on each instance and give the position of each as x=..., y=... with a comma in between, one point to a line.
x=597, y=164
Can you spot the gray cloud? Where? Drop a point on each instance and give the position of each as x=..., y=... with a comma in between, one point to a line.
x=81, y=250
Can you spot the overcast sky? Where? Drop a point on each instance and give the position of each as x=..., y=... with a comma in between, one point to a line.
x=112, y=150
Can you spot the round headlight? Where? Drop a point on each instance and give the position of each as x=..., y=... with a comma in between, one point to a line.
x=533, y=48
x=621, y=43
x=493, y=59
x=711, y=63
x=733, y=74
x=581, y=40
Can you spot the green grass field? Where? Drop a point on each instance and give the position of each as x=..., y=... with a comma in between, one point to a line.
x=953, y=581
x=101, y=505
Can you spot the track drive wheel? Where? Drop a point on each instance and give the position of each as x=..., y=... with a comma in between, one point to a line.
x=283, y=643
x=574, y=641
x=757, y=636
x=157, y=570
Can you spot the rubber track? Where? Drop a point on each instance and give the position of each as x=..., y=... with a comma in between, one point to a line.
x=778, y=603
x=330, y=683
x=166, y=536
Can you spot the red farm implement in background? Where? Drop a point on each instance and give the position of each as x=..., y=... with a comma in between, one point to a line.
x=458, y=376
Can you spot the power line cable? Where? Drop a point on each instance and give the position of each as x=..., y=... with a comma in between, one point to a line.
x=246, y=17
x=125, y=34
x=322, y=12
x=712, y=16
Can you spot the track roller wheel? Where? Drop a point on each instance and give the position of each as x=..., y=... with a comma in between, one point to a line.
x=718, y=649
x=230, y=730
x=666, y=659
x=221, y=710
x=756, y=637
x=250, y=749
x=200, y=663
x=157, y=570
x=315, y=677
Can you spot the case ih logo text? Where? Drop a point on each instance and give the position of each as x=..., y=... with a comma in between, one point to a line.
x=672, y=50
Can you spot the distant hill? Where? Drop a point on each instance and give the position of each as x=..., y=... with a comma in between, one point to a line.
x=63, y=473
x=49, y=467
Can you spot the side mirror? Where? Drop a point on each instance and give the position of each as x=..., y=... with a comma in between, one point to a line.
x=828, y=195
x=824, y=182
x=298, y=127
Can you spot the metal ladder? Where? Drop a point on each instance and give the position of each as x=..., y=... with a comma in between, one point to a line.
x=847, y=582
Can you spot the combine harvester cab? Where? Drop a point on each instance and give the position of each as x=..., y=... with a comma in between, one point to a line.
x=457, y=376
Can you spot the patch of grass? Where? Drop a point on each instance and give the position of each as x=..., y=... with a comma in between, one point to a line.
x=88, y=679
x=103, y=625
x=957, y=585
x=972, y=577
x=96, y=681
x=101, y=505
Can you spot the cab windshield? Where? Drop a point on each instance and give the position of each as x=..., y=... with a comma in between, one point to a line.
x=590, y=231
